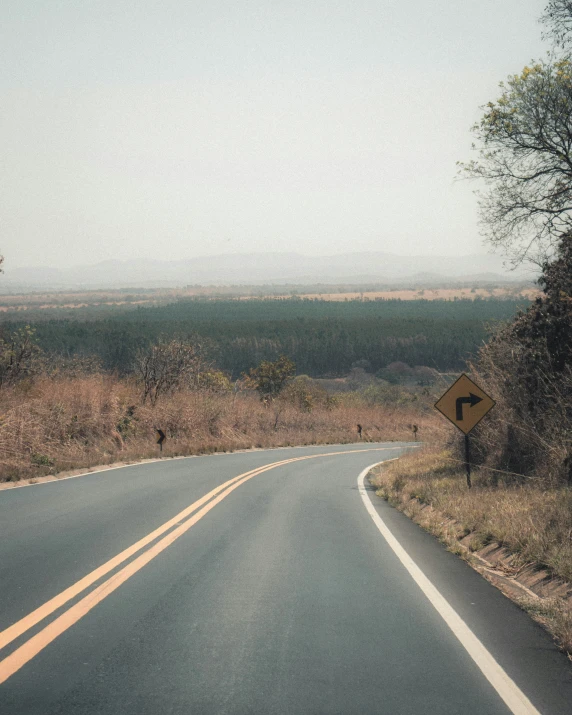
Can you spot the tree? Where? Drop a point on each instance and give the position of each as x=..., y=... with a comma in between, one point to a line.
x=524, y=145
x=167, y=366
x=19, y=355
x=557, y=18
x=526, y=366
x=270, y=378
x=305, y=393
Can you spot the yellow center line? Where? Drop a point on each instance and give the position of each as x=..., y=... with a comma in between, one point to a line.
x=13, y=662
x=14, y=631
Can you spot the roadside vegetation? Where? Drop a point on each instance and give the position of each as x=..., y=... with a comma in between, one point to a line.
x=520, y=532
x=323, y=338
x=228, y=374
x=515, y=523
x=52, y=424
x=59, y=414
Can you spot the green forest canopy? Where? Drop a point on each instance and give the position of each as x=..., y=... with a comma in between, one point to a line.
x=322, y=337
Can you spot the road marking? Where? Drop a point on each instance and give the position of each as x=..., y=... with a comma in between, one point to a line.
x=183, y=522
x=514, y=698
x=17, y=629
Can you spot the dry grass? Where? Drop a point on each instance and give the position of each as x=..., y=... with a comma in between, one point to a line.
x=533, y=523
x=555, y=615
x=54, y=425
x=426, y=293
x=95, y=298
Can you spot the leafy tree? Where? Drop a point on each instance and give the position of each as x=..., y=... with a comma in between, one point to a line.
x=19, y=355
x=524, y=145
x=526, y=367
x=306, y=394
x=213, y=381
x=270, y=378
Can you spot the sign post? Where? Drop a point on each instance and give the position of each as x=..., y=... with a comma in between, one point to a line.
x=161, y=439
x=465, y=404
x=468, y=460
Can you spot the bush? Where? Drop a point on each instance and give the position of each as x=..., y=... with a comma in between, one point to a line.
x=526, y=369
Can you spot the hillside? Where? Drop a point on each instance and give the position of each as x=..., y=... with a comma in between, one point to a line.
x=265, y=268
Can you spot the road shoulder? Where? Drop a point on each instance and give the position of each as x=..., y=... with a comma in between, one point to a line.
x=523, y=649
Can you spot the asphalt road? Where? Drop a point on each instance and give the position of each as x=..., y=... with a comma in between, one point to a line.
x=276, y=594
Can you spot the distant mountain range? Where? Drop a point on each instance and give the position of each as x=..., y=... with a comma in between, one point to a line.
x=265, y=268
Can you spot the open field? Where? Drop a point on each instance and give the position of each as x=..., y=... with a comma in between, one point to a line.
x=68, y=302
x=427, y=294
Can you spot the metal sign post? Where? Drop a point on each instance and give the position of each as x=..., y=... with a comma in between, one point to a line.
x=465, y=404
x=468, y=460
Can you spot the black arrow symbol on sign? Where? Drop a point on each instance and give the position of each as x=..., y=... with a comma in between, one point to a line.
x=471, y=400
x=162, y=437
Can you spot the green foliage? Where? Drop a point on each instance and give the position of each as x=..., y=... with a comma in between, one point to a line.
x=400, y=373
x=270, y=378
x=214, y=381
x=41, y=460
x=380, y=394
x=525, y=158
x=527, y=365
x=19, y=355
x=303, y=392
x=322, y=338
x=126, y=425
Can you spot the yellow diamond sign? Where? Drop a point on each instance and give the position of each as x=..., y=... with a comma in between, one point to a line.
x=465, y=404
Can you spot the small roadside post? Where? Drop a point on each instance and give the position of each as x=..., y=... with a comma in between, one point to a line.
x=161, y=439
x=465, y=404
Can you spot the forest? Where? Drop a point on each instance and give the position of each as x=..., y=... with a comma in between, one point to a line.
x=323, y=338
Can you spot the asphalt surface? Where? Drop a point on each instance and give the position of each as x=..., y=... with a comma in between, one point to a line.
x=284, y=598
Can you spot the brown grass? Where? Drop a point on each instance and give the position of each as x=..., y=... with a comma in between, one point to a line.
x=532, y=524
x=54, y=425
x=82, y=299
x=426, y=293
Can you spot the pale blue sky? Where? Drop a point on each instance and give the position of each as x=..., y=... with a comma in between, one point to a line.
x=175, y=129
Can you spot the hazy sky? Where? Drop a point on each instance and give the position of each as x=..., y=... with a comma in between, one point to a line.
x=179, y=128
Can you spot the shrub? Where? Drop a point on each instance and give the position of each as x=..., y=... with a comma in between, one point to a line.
x=526, y=369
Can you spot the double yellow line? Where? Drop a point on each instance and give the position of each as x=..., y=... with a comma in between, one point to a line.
x=183, y=521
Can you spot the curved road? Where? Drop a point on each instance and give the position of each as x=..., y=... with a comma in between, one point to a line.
x=215, y=585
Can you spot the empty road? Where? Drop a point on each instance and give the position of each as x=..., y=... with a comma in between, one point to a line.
x=266, y=582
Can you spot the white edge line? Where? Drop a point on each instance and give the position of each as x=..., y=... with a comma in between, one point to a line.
x=514, y=698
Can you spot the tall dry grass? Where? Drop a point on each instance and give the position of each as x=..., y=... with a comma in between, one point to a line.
x=533, y=522
x=56, y=424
